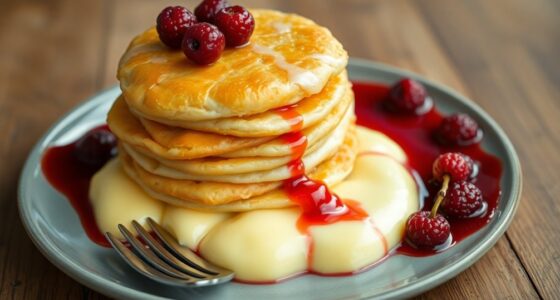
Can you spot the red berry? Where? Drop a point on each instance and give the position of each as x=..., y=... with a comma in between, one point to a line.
x=426, y=232
x=172, y=23
x=96, y=147
x=203, y=43
x=454, y=164
x=207, y=9
x=458, y=129
x=408, y=96
x=462, y=200
x=236, y=23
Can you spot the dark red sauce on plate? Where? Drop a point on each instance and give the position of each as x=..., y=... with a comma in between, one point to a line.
x=415, y=135
x=70, y=177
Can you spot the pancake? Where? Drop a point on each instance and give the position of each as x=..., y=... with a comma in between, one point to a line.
x=306, y=113
x=208, y=193
x=180, y=169
x=216, y=166
x=277, y=68
x=331, y=172
x=172, y=142
x=279, y=147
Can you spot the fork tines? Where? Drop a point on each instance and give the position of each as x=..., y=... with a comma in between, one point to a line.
x=163, y=259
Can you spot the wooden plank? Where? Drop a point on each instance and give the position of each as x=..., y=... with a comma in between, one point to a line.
x=498, y=275
x=50, y=63
x=513, y=70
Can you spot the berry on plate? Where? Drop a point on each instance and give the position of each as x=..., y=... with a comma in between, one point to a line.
x=96, y=147
x=207, y=9
x=236, y=23
x=408, y=96
x=458, y=129
x=171, y=24
x=425, y=231
x=453, y=164
x=462, y=200
x=203, y=43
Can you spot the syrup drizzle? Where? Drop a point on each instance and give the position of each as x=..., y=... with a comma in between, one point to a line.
x=290, y=114
x=298, y=143
x=295, y=139
x=319, y=206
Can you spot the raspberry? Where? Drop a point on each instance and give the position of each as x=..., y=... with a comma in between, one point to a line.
x=463, y=200
x=172, y=23
x=236, y=23
x=203, y=43
x=458, y=129
x=207, y=9
x=407, y=96
x=96, y=147
x=426, y=232
x=454, y=164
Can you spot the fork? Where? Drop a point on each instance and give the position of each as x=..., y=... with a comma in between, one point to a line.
x=164, y=259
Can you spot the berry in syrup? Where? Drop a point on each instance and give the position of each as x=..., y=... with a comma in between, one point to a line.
x=426, y=231
x=408, y=97
x=462, y=200
x=458, y=130
x=454, y=165
x=96, y=147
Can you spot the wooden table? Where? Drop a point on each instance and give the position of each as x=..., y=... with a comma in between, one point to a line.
x=504, y=54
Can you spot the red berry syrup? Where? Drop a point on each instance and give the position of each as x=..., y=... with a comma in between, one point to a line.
x=415, y=134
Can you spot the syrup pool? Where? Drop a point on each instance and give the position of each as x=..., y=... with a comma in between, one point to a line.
x=71, y=177
x=413, y=133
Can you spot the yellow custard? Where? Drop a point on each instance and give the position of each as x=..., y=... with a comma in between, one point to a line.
x=266, y=245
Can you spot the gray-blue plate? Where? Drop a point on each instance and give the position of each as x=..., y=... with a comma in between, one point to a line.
x=55, y=228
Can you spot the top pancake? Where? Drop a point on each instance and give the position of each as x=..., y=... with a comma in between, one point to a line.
x=304, y=114
x=288, y=58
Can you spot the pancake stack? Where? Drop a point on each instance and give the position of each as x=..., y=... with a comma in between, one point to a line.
x=226, y=137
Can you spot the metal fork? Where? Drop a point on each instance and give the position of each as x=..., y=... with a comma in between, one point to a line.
x=164, y=260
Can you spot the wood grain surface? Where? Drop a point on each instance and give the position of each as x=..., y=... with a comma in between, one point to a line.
x=504, y=54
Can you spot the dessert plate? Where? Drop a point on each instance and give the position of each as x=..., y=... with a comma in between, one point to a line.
x=55, y=228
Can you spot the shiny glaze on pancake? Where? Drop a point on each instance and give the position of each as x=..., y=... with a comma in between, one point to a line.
x=277, y=68
x=310, y=110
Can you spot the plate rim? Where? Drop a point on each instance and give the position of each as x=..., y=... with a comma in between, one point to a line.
x=415, y=287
